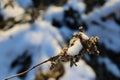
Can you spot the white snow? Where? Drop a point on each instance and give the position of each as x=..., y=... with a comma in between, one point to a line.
x=40, y=38
x=80, y=72
x=76, y=5
x=76, y=48
x=84, y=36
x=108, y=31
x=57, y=13
x=43, y=40
x=54, y=12
x=9, y=11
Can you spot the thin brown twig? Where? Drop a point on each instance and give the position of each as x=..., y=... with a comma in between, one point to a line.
x=29, y=69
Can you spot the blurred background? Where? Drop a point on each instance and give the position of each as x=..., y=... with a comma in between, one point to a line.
x=32, y=31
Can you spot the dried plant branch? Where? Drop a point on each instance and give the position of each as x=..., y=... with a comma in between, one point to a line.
x=79, y=45
x=19, y=74
x=26, y=70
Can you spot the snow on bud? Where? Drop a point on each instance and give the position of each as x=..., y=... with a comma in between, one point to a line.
x=76, y=48
x=84, y=36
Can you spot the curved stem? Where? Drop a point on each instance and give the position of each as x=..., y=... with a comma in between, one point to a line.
x=27, y=70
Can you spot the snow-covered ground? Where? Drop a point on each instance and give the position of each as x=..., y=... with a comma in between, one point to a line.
x=42, y=40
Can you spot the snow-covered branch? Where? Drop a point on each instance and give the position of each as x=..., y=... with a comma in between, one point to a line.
x=78, y=46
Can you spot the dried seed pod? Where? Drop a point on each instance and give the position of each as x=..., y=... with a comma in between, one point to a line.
x=81, y=29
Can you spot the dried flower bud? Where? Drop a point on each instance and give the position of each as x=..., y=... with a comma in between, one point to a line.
x=76, y=34
x=81, y=29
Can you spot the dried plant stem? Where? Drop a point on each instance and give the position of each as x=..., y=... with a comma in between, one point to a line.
x=89, y=46
x=27, y=70
x=19, y=74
